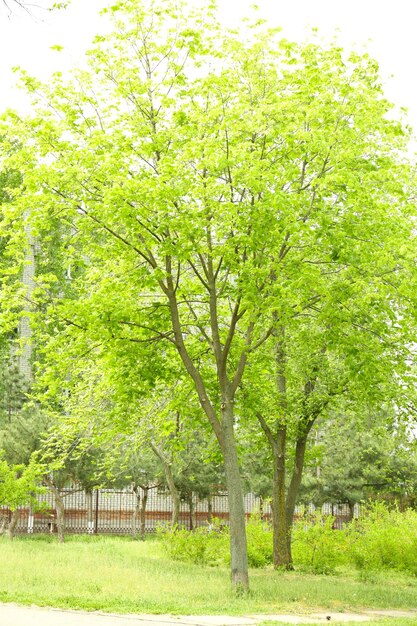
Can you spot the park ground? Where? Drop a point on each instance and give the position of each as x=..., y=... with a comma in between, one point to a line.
x=114, y=581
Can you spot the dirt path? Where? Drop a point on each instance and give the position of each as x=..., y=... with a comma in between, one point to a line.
x=14, y=615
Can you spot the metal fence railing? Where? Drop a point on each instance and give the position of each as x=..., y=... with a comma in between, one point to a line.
x=118, y=511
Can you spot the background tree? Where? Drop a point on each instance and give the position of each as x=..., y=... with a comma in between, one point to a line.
x=135, y=467
x=361, y=458
x=19, y=485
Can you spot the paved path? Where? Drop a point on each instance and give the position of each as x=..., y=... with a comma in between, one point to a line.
x=14, y=615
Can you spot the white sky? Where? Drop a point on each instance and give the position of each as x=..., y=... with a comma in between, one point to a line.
x=386, y=27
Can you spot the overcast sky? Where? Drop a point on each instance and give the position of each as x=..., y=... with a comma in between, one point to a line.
x=386, y=27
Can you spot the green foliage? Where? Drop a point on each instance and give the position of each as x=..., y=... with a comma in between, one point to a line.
x=259, y=535
x=19, y=484
x=205, y=546
x=210, y=546
x=316, y=545
x=384, y=538
x=381, y=539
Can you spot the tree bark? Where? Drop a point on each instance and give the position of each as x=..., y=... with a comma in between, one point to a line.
x=60, y=516
x=11, y=527
x=3, y=523
x=278, y=442
x=90, y=514
x=281, y=554
x=294, y=486
x=59, y=508
x=237, y=518
x=209, y=508
x=169, y=477
x=136, y=512
x=143, y=513
x=191, y=510
x=25, y=329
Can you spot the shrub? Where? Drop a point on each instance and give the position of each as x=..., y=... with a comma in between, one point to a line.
x=259, y=534
x=205, y=546
x=384, y=538
x=381, y=539
x=210, y=546
x=316, y=545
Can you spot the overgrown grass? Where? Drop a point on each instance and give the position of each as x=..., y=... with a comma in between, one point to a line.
x=121, y=575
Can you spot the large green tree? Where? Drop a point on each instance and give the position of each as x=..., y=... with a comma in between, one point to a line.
x=225, y=200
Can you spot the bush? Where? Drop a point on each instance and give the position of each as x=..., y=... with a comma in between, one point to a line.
x=210, y=546
x=317, y=546
x=259, y=534
x=384, y=538
x=381, y=539
x=205, y=546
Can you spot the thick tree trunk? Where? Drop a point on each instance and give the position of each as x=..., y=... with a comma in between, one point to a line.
x=281, y=554
x=237, y=519
x=11, y=527
x=278, y=442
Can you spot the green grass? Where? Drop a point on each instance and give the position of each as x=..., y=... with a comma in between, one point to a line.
x=120, y=575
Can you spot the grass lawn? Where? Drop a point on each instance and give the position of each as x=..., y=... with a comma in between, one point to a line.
x=120, y=575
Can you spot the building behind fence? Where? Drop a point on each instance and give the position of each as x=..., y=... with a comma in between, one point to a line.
x=116, y=512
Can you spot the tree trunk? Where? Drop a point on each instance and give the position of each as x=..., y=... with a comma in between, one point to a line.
x=209, y=508
x=261, y=507
x=169, y=477
x=136, y=512
x=351, y=506
x=237, y=518
x=90, y=514
x=194, y=510
x=11, y=527
x=143, y=513
x=25, y=330
x=281, y=553
x=278, y=443
x=294, y=486
x=3, y=523
x=191, y=509
x=175, y=496
x=60, y=516
x=60, y=509
x=223, y=428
